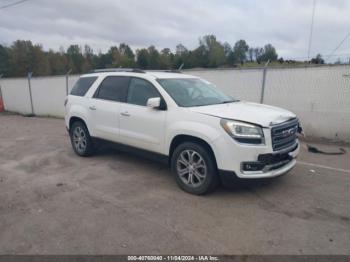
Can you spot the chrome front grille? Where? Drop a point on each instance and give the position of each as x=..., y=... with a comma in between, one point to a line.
x=284, y=135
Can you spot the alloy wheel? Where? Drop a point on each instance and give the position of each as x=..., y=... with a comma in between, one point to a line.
x=191, y=168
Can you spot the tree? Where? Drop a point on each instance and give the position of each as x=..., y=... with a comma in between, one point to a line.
x=258, y=52
x=4, y=60
x=317, y=60
x=269, y=53
x=166, y=58
x=154, y=58
x=251, y=54
x=227, y=49
x=20, y=62
x=114, y=57
x=58, y=62
x=240, y=50
x=181, y=49
x=212, y=50
x=41, y=65
x=25, y=57
x=88, y=59
x=75, y=59
x=142, y=59
x=127, y=56
x=181, y=57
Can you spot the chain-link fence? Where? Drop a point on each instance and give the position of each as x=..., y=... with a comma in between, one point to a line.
x=320, y=96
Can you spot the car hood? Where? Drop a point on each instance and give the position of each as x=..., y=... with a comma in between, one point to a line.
x=260, y=114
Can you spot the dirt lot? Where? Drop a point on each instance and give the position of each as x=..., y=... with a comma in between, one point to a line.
x=54, y=202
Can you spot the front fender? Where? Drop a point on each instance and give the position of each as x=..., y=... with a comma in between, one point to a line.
x=203, y=131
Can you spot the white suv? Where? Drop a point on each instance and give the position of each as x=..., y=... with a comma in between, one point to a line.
x=204, y=134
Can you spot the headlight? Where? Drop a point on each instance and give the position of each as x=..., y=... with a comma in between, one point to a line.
x=243, y=132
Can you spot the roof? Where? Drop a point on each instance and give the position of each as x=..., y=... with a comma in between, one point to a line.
x=138, y=72
x=164, y=75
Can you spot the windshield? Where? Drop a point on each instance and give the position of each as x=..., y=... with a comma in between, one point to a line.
x=189, y=92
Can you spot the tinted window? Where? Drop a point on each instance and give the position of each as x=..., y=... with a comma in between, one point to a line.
x=82, y=86
x=113, y=88
x=140, y=91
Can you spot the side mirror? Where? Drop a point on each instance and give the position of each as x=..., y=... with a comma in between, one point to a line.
x=153, y=102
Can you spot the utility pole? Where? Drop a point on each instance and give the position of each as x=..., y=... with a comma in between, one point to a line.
x=1, y=99
x=311, y=29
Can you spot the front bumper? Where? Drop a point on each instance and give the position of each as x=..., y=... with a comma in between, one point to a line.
x=271, y=163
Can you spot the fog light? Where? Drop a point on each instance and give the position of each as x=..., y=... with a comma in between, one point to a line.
x=252, y=166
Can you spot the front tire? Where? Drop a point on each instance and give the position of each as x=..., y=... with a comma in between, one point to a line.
x=194, y=168
x=80, y=138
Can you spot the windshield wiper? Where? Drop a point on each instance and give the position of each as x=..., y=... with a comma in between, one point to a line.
x=229, y=101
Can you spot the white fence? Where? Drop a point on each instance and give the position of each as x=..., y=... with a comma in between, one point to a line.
x=48, y=95
x=320, y=96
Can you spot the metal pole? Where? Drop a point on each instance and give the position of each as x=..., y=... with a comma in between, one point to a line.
x=311, y=29
x=264, y=82
x=67, y=75
x=1, y=75
x=30, y=91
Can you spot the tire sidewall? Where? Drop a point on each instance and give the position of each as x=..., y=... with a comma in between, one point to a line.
x=210, y=181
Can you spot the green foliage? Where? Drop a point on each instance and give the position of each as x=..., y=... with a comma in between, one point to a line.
x=4, y=60
x=269, y=53
x=317, y=60
x=240, y=50
x=142, y=58
x=23, y=57
x=212, y=51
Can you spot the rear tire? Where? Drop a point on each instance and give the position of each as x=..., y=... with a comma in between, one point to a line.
x=194, y=168
x=81, y=140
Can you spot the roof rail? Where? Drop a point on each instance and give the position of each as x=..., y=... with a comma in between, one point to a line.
x=173, y=71
x=106, y=70
x=166, y=71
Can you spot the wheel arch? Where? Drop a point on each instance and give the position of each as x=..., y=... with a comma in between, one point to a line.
x=74, y=119
x=181, y=138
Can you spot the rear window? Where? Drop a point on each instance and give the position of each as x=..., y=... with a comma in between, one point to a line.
x=82, y=86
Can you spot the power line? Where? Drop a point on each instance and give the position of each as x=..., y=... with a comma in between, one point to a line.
x=312, y=28
x=12, y=4
x=340, y=44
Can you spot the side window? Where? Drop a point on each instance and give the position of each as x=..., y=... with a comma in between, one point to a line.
x=82, y=86
x=113, y=88
x=140, y=91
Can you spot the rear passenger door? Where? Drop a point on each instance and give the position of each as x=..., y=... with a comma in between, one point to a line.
x=105, y=107
x=141, y=126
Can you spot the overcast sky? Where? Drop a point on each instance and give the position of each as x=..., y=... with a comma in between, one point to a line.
x=165, y=23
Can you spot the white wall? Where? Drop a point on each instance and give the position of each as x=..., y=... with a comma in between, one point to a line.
x=319, y=96
x=15, y=94
x=48, y=95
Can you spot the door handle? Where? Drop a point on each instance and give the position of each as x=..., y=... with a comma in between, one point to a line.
x=126, y=113
x=92, y=107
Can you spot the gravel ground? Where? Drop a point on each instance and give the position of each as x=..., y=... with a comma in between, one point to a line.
x=54, y=202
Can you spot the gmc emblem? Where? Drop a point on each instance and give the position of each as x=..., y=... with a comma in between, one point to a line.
x=288, y=132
